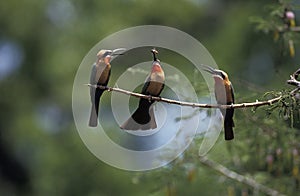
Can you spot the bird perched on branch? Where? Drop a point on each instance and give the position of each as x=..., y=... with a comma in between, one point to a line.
x=143, y=118
x=225, y=96
x=289, y=18
x=100, y=76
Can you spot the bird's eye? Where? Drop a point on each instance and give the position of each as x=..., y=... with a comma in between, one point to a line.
x=223, y=76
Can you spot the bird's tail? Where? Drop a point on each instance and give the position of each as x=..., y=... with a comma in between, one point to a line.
x=228, y=124
x=93, y=122
x=142, y=119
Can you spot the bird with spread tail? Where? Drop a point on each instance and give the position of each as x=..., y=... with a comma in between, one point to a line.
x=143, y=118
x=100, y=76
x=225, y=96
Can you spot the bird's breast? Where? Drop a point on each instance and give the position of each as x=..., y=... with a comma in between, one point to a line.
x=154, y=88
x=103, y=72
x=156, y=83
x=157, y=77
x=223, y=91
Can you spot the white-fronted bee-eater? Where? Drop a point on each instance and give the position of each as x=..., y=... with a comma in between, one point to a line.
x=225, y=96
x=100, y=76
x=289, y=18
x=143, y=118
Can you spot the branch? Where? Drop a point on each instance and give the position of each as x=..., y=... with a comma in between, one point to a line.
x=183, y=103
x=235, y=176
x=295, y=29
x=285, y=29
x=293, y=81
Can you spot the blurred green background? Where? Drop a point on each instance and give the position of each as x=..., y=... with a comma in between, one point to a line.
x=41, y=46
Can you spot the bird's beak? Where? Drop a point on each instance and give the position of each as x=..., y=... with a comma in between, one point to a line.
x=209, y=69
x=118, y=51
x=154, y=51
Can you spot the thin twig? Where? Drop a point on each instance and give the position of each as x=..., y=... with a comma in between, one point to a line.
x=293, y=81
x=295, y=29
x=190, y=104
x=285, y=29
x=235, y=176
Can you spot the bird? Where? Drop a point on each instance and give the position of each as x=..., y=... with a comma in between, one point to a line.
x=289, y=18
x=224, y=94
x=100, y=74
x=143, y=118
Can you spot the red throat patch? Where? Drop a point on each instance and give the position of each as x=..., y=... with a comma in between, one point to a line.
x=156, y=68
x=218, y=79
x=107, y=59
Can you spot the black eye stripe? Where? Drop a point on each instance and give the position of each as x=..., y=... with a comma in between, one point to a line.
x=223, y=76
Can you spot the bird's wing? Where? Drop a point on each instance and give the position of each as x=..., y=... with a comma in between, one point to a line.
x=93, y=82
x=146, y=85
x=106, y=82
x=162, y=88
x=232, y=93
x=93, y=74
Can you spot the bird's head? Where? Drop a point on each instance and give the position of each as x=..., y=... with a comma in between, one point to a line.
x=154, y=53
x=217, y=74
x=105, y=55
x=156, y=67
